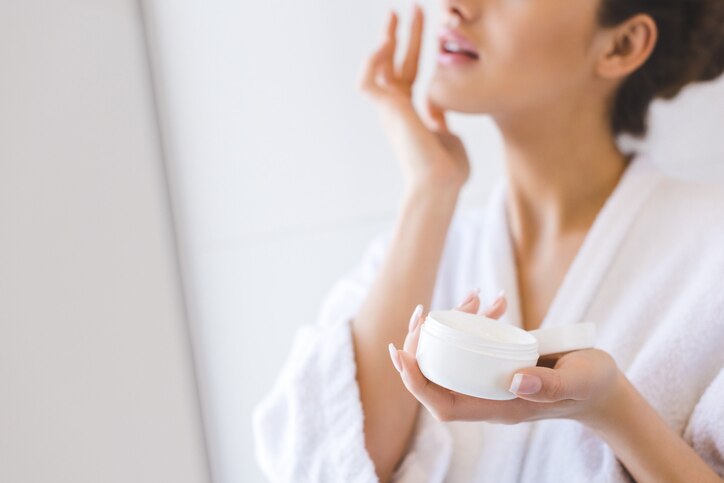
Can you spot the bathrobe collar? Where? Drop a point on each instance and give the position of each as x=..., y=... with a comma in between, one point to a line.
x=592, y=260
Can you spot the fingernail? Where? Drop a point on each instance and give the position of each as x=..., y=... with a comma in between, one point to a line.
x=525, y=384
x=413, y=320
x=498, y=298
x=470, y=297
x=395, y=357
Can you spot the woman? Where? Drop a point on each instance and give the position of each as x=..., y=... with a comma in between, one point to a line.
x=577, y=230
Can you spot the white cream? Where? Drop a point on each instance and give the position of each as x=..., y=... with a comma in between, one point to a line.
x=470, y=325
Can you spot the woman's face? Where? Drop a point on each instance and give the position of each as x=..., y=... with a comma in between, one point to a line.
x=532, y=54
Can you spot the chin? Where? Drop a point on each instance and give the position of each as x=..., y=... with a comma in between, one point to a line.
x=452, y=96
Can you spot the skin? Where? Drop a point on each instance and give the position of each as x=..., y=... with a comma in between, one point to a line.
x=546, y=76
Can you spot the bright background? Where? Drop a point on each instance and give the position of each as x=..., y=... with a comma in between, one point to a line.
x=279, y=176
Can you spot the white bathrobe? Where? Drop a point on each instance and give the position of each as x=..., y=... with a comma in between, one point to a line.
x=649, y=274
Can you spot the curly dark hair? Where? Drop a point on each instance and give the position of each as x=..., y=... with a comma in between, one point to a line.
x=689, y=48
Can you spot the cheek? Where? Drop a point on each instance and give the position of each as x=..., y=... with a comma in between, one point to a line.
x=533, y=56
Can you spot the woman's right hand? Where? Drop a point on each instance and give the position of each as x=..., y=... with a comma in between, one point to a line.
x=430, y=154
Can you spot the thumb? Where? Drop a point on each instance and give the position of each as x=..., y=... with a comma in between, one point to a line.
x=434, y=116
x=542, y=384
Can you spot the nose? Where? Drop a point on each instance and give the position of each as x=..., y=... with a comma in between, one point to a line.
x=458, y=11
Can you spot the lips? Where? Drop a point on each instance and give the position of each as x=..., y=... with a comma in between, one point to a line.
x=453, y=42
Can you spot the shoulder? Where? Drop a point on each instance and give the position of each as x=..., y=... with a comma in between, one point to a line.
x=705, y=193
x=683, y=225
x=693, y=205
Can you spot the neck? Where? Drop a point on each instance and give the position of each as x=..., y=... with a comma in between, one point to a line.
x=561, y=166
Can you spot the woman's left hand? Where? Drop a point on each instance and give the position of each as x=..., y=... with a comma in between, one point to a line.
x=580, y=385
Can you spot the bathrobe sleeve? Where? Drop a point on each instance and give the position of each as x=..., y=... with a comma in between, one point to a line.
x=705, y=430
x=309, y=427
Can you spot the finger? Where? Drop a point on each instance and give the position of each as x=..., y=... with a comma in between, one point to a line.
x=434, y=116
x=413, y=330
x=542, y=384
x=471, y=303
x=408, y=72
x=395, y=357
x=412, y=339
x=447, y=405
x=387, y=65
x=367, y=79
x=498, y=307
x=437, y=400
x=415, y=317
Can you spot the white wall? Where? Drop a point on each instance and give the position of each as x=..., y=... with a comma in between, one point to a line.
x=686, y=134
x=282, y=176
x=96, y=378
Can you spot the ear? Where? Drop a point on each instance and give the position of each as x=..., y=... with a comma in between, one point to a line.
x=627, y=47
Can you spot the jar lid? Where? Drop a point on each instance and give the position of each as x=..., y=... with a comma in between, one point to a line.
x=564, y=338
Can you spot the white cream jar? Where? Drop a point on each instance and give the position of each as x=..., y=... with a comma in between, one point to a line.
x=475, y=355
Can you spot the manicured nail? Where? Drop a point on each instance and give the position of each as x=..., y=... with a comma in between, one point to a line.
x=470, y=297
x=413, y=320
x=498, y=298
x=525, y=384
x=395, y=357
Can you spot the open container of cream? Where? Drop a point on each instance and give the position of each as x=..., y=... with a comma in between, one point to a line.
x=475, y=355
